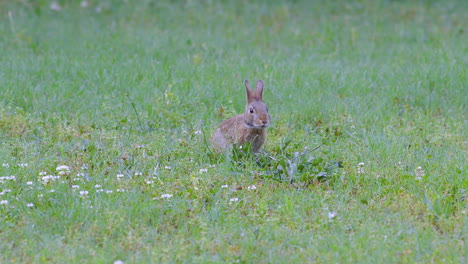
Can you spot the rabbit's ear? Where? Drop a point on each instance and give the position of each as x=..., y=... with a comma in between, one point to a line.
x=259, y=90
x=250, y=94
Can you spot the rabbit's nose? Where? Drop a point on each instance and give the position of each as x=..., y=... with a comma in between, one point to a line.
x=264, y=122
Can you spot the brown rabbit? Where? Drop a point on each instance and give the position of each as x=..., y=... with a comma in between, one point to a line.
x=247, y=127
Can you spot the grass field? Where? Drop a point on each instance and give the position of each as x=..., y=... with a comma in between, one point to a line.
x=106, y=113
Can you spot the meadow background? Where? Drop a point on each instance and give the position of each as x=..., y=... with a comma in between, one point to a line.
x=106, y=108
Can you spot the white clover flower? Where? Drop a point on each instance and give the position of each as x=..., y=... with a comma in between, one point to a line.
x=224, y=186
x=22, y=165
x=52, y=191
x=30, y=205
x=332, y=215
x=119, y=176
x=84, y=193
x=168, y=167
x=97, y=186
x=80, y=174
x=7, y=190
x=197, y=132
x=167, y=195
x=62, y=168
x=55, y=6
x=29, y=183
x=419, y=173
x=118, y=262
x=75, y=186
x=360, y=168
x=42, y=173
x=6, y=165
x=149, y=182
x=235, y=199
x=47, y=178
x=203, y=170
x=4, y=202
x=138, y=173
x=252, y=187
x=84, y=166
x=109, y=191
x=120, y=190
x=8, y=178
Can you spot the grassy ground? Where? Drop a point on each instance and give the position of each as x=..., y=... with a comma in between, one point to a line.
x=125, y=94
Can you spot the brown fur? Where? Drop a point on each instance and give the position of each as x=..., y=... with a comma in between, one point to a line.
x=246, y=127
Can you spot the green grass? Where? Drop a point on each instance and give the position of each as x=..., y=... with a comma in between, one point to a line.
x=138, y=88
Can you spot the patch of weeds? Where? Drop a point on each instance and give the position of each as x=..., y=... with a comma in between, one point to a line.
x=300, y=168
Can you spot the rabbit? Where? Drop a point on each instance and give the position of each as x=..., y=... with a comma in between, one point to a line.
x=247, y=127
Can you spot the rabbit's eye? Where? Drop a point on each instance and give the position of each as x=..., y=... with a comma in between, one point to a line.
x=251, y=110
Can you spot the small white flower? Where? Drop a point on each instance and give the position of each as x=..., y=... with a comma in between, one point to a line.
x=224, y=186
x=109, y=191
x=149, y=182
x=360, y=168
x=203, y=170
x=84, y=4
x=118, y=262
x=29, y=183
x=80, y=174
x=62, y=168
x=7, y=190
x=4, y=202
x=42, y=173
x=22, y=165
x=252, y=187
x=138, y=173
x=168, y=167
x=235, y=199
x=11, y=178
x=75, y=186
x=6, y=165
x=332, y=215
x=40, y=195
x=167, y=195
x=97, y=186
x=47, y=178
x=77, y=179
x=119, y=176
x=98, y=9
x=197, y=132
x=84, y=193
x=55, y=6
x=419, y=173
x=84, y=167
x=52, y=191
x=120, y=190
x=30, y=205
